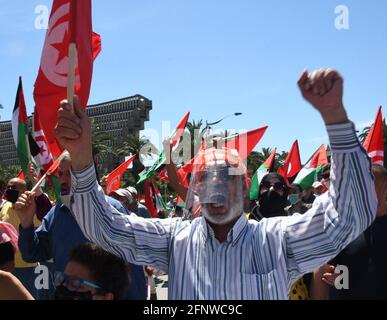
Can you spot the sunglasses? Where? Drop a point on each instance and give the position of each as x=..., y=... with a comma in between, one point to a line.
x=278, y=186
x=71, y=282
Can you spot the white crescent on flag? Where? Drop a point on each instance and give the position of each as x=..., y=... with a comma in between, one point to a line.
x=55, y=61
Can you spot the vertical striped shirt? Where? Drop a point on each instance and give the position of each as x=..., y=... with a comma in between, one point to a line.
x=259, y=260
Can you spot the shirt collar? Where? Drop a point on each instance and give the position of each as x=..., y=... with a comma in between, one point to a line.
x=234, y=233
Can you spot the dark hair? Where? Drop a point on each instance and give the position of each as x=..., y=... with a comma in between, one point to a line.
x=296, y=186
x=110, y=272
x=7, y=253
x=380, y=169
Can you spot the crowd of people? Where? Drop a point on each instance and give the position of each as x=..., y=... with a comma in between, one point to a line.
x=220, y=246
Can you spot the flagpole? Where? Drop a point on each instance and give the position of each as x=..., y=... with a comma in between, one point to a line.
x=37, y=185
x=71, y=73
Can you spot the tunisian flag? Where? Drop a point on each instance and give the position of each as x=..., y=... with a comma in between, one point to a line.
x=292, y=165
x=114, y=178
x=70, y=21
x=374, y=143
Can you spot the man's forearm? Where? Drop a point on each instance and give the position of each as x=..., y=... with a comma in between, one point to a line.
x=338, y=116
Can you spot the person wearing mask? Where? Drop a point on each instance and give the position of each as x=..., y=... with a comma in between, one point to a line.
x=197, y=255
x=273, y=197
x=295, y=199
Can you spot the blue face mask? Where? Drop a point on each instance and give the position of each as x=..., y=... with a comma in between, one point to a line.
x=293, y=199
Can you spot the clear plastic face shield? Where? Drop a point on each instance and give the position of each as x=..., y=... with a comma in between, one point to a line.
x=218, y=185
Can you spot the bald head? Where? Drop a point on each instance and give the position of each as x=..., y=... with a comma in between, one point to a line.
x=17, y=184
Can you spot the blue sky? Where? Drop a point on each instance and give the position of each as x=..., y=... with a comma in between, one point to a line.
x=217, y=57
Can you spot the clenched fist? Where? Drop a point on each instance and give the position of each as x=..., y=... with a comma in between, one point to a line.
x=73, y=132
x=324, y=90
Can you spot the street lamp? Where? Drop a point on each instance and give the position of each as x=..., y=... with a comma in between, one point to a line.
x=208, y=125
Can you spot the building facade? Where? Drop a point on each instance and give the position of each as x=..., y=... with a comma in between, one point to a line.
x=116, y=119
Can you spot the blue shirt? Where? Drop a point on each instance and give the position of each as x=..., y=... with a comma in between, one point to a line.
x=259, y=260
x=57, y=235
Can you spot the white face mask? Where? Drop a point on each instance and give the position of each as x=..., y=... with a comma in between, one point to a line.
x=66, y=200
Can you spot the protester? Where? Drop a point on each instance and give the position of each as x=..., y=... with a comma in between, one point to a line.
x=24, y=271
x=273, y=196
x=92, y=274
x=318, y=189
x=295, y=199
x=128, y=198
x=59, y=232
x=309, y=196
x=366, y=257
x=197, y=255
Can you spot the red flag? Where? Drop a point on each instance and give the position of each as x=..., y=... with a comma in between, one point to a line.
x=163, y=176
x=45, y=156
x=374, y=143
x=21, y=175
x=52, y=80
x=114, y=178
x=245, y=143
x=149, y=200
x=292, y=165
x=55, y=165
x=180, y=129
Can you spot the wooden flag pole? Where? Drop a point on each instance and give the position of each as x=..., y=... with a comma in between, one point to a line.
x=71, y=74
x=37, y=185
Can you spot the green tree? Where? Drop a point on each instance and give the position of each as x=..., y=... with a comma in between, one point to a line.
x=143, y=149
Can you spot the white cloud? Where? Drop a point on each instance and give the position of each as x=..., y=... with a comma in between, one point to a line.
x=361, y=125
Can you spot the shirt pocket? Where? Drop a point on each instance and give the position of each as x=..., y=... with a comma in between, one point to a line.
x=259, y=286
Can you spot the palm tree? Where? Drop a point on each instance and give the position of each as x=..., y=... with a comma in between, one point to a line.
x=196, y=135
x=142, y=147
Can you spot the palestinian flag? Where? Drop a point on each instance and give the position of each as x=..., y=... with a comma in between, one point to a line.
x=160, y=203
x=20, y=128
x=175, y=136
x=309, y=172
x=292, y=165
x=263, y=170
x=374, y=143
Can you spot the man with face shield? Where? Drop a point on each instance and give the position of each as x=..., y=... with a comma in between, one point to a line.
x=218, y=183
x=222, y=255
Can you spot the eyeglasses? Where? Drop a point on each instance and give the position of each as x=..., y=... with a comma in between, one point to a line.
x=72, y=283
x=278, y=186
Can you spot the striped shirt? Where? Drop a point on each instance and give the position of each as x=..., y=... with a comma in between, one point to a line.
x=259, y=260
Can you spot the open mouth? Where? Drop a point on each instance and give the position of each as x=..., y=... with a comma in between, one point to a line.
x=215, y=208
